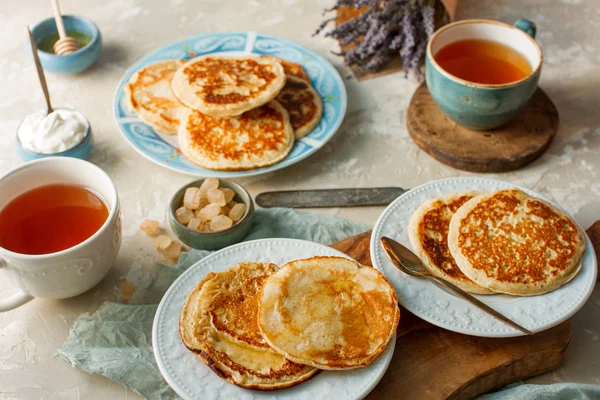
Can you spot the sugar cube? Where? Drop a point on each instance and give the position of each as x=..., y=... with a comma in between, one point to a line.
x=191, y=198
x=150, y=227
x=195, y=223
x=229, y=194
x=184, y=215
x=220, y=222
x=208, y=184
x=237, y=212
x=216, y=196
x=209, y=212
x=173, y=251
x=162, y=242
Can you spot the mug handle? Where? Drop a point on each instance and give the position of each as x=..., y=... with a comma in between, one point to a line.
x=17, y=299
x=526, y=26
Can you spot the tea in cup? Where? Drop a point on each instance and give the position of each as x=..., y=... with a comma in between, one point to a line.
x=482, y=73
x=60, y=228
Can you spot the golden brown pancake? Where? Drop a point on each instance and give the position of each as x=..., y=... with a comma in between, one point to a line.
x=428, y=234
x=514, y=243
x=257, y=138
x=303, y=104
x=328, y=312
x=219, y=323
x=149, y=94
x=228, y=86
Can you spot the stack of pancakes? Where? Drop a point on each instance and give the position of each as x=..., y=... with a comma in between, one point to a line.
x=500, y=242
x=230, y=113
x=263, y=327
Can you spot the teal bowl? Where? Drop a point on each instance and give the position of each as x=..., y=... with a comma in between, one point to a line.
x=77, y=61
x=81, y=151
x=212, y=240
x=483, y=106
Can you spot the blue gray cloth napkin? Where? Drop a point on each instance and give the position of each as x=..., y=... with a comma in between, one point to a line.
x=116, y=341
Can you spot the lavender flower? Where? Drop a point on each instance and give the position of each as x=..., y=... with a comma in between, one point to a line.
x=386, y=28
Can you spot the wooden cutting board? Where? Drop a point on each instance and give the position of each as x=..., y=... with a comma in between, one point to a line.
x=432, y=363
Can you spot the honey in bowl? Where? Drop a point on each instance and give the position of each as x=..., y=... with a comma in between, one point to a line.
x=483, y=61
x=51, y=218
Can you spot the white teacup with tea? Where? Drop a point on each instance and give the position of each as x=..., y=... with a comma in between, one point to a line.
x=60, y=228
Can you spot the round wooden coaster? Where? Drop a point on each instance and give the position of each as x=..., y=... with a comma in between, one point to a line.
x=502, y=149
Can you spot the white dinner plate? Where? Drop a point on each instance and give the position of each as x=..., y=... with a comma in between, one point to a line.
x=430, y=302
x=192, y=379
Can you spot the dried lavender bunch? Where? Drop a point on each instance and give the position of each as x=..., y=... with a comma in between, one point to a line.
x=386, y=28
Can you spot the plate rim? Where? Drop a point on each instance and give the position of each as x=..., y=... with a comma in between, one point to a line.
x=189, y=271
x=242, y=173
x=511, y=332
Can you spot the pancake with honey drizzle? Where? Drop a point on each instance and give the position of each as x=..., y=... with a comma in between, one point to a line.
x=290, y=68
x=228, y=86
x=149, y=94
x=257, y=138
x=303, y=104
x=428, y=234
x=328, y=312
x=219, y=323
x=513, y=243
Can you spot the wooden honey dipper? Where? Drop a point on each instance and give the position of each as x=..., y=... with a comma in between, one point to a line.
x=65, y=44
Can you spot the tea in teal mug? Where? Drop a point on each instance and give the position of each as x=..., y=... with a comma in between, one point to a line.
x=475, y=105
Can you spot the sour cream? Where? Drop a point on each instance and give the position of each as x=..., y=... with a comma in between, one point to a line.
x=59, y=131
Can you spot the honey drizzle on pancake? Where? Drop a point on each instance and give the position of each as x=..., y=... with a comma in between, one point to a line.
x=328, y=312
x=438, y=221
x=549, y=245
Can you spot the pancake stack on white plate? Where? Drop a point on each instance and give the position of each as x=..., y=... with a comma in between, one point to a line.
x=263, y=327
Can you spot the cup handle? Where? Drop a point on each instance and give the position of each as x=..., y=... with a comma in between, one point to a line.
x=17, y=299
x=526, y=26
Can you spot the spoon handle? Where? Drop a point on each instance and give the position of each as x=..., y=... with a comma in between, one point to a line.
x=471, y=299
x=58, y=19
x=40, y=70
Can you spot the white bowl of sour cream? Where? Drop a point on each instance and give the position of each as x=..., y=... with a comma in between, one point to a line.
x=63, y=132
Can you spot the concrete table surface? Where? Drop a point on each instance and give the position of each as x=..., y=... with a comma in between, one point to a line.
x=372, y=148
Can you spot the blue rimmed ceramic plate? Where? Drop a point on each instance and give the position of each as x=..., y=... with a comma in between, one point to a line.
x=164, y=150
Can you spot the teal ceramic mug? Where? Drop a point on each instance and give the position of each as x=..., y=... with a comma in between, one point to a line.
x=483, y=106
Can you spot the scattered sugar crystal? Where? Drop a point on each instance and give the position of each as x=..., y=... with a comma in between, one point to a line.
x=195, y=223
x=208, y=184
x=162, y=242
x=216, y=196
x=191, y=198
x=237, y=212
x=220, y=222
x=229, y=194
x=209, y=212
x=173, y=251
x=150, y=227
x=184, y=215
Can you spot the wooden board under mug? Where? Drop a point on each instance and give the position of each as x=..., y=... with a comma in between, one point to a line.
x=501, y=149
x=431, y=363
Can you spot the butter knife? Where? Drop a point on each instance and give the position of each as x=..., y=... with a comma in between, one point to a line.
x=408, y=262
x=329, y=197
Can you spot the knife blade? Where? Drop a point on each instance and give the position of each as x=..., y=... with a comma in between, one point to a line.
x=320, y=198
